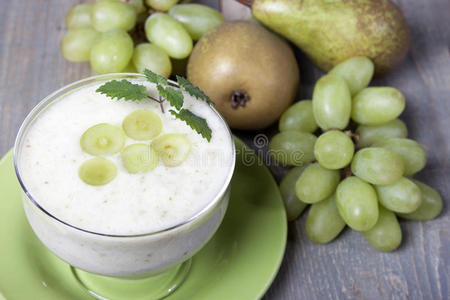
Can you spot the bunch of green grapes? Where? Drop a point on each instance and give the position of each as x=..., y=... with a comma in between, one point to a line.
x=101, y=32
x=361, y=177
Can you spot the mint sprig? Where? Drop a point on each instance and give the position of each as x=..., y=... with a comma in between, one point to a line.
x=135, y=92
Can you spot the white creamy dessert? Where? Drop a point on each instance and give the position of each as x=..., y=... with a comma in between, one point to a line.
x=132, y=205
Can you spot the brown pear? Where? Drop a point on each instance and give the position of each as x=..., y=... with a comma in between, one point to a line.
x=250, y=73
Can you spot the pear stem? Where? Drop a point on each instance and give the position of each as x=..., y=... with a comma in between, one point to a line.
x=247, y=3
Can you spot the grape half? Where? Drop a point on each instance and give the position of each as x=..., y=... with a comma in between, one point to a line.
x=316, y=183
x=377, y=165
x=386, y=235
x=402, y=196
x=139, y=158
x=357, y=203
x=324, y=223
x=112, y=52
x=97, y=171
x=294, y=206
x=142, y=125
x=356, y=71
x=173, y=148
x=334, y=150
x=298, y=117
x=293, y=148
x=112, y=14
x=102, y=139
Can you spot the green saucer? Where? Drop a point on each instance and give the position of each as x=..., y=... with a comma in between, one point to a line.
x=239, y=262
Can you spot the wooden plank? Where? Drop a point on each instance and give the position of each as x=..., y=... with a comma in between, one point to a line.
x=31, y=67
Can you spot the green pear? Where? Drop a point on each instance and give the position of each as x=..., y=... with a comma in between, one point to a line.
x=331, y=31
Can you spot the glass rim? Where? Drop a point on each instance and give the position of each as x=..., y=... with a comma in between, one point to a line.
x=52, y=98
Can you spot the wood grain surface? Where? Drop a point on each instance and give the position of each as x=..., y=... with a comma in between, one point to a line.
x=31, y=67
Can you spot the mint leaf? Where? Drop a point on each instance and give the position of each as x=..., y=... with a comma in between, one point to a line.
x=175, y=97
x=155, y=78
x=193, y=90
x=123, y=89
x=195, y=122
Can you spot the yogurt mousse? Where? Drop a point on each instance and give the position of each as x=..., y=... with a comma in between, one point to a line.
x=110, y=229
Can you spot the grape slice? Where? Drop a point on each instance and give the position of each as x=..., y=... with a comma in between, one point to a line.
x=173, y=148
x=139, y=158
x=386, y=235
x=112, y=14
x=403, y=196
x=430, y=207
x=142, y=125
x=334, y=150
x=102, y=139
x=377, y=165
x=76, y=45
x=356, y=71
x=357, y=203
x=324, y=223
x=377, y=105
x=316, y=183
x=412, y=153
x=79, y=16
x=298, y=117
x=97, y=171
x=294, y=206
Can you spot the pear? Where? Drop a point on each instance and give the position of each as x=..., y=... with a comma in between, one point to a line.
x=250, y=73
x=331, y=31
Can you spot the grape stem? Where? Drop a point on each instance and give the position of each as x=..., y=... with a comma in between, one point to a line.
x=348, y=172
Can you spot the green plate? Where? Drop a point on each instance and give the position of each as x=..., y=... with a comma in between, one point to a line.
x=239, y=262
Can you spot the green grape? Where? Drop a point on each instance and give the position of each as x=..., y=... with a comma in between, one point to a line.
x=412, y=153
x=97, y=171
x=293, y=148
x=138, y=5
x=386, y=235
x=76, y=45
x=169, y=34
x=316, y=183
x=402, y=196
x=331, y=102
x=130, y=68
x=294, y=206
x=102, y=139
x=139, y=158
x=357, y=203
x=149, y=56
x=377, y=105
x=112, y=52
x=79, y=16
x=112, y=14
x=196, y=18
x=298, y=117
x=369, y=135
x=173, y=148
x=161, y=5
x=324, y=223
x=430, y=207
x=377, y=165
x=142, y=125
x=356, y=71
x=334, y=150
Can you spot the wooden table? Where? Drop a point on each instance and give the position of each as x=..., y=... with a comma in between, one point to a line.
x=31, y=67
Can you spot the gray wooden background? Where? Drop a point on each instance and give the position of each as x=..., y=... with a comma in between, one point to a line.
x=31, y=67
